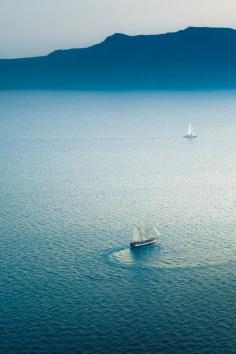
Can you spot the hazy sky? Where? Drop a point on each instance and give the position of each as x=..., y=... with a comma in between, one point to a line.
x=35, y=27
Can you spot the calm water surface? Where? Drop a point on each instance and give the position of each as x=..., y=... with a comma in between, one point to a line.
x=77, y=171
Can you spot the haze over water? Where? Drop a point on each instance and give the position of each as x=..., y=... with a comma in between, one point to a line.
x=77, y=171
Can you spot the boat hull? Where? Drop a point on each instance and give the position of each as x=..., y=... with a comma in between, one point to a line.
x=139, y=244
x=190, y=136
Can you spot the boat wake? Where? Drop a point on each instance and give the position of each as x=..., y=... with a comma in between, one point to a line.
x=156, y=256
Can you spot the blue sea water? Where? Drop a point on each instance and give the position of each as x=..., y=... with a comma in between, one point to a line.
x=77, y=170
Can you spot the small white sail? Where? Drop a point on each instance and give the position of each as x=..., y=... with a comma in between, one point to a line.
x=136, y=234
x=190, y=134
x=189, y=129
x=156, y=231
x=143, y=232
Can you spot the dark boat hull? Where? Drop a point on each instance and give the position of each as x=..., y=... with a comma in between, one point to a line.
x=138, y=244
x=190, y=136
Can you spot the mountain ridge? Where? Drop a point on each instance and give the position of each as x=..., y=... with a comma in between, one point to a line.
x=191, y=58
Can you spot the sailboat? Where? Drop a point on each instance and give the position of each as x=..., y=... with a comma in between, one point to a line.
x=190, y=134
x=144, y=236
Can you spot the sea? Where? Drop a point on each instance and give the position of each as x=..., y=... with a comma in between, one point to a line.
x=77, y=171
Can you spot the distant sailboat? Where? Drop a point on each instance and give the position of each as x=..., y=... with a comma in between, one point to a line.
x=190, y=134
x=143, y=236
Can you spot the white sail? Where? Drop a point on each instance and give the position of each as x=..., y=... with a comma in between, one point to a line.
x=141, y=232
x=144, y=232
x=136, y=234
x=156, y=231
x=190, y=129
x=190, y=133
